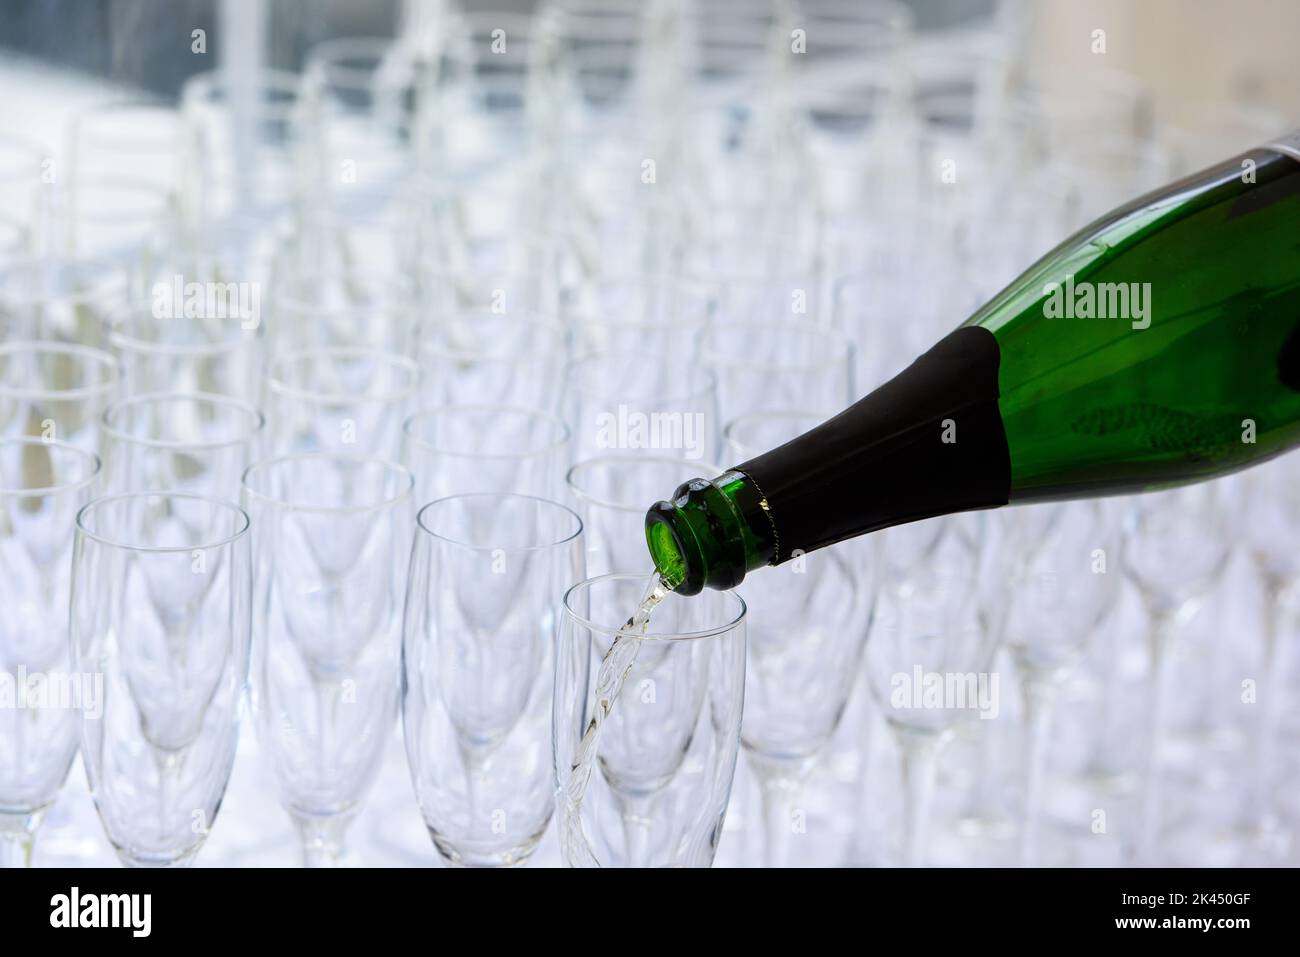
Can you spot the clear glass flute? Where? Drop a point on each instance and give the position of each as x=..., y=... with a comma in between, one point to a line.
x=1175, y=550
x=480, y=356
x=652, y=315
x=610, y=493
x=612, y=300
x=866, y=306
x=809, y=622
x=361, y=100
x=478, y=667
x=239, y=136
x=503, y=284
x=42, y=487
x=1257, y=831
x=649, y=786
x=489, y=215
x=367, y=244
x=137, y=138
x=781, y=364
x=484, y=448
x=339, y=399
x=331, y=540
x=595, y=70
x=929, y=654
x=120, y=219
x=613, y=225
x=485, y=106
x=630, y=401
x=55, y=391
x=161, y=612
x=198, y=443
x=1064, y=584
x=344, y=308
x=214, y=353
x=764, y=265
x=67, y=300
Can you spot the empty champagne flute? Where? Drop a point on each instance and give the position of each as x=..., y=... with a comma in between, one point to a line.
x=484, y=448
x=652, y=315
x=140, y=138
x=68, y=300
x=1064, y=584
x=929, y=653
x=239, y=131
x=55, y=391
x=477, y=669
x=779, y=364
x=808, y=623
x=476, y=357
x=124, y=220
x=649, y=786
x=161, y=611
x=331, y=538
x=161, y=350
x=341, y=399
x=360, y=103
x=631, y=401
x=42, y=487
x=198, y=443
x=1175, y=550
x=344, y=308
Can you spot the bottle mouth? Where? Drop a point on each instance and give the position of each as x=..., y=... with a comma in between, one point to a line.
x=696, y=538
x=671, y=542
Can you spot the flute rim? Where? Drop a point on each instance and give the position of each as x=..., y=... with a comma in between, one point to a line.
x=276, y=384
x=31, y=346
x=84, y=532
x=845, y=351
x=565, y=433
x=746, y=418
x=573, y=536
x=110, y=284
x=400, y=471
x=708, y=387
x=213, y=398
x=718, y=631
x=97, y=466
x=632, y=460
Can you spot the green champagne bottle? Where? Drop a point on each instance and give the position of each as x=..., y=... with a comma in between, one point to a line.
x=1160, y=345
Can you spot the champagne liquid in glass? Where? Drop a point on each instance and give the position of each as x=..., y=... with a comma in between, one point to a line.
x=614, y=669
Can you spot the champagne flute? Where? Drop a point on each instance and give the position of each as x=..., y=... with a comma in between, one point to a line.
x=929, y=654
x=331, y=537
x=42, y=487
x=661, y=774
x=1063, y=588
x=809, y=621
x=478, y=666
x=161, y=608
x=1175, y=550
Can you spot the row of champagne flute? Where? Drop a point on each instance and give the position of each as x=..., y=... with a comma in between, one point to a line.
x=921, y=620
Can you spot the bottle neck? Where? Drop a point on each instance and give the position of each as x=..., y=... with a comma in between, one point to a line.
x=928, y=442
x=711, y=533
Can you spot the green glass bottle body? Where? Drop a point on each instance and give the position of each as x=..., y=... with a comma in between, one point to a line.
x=1160, y=345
